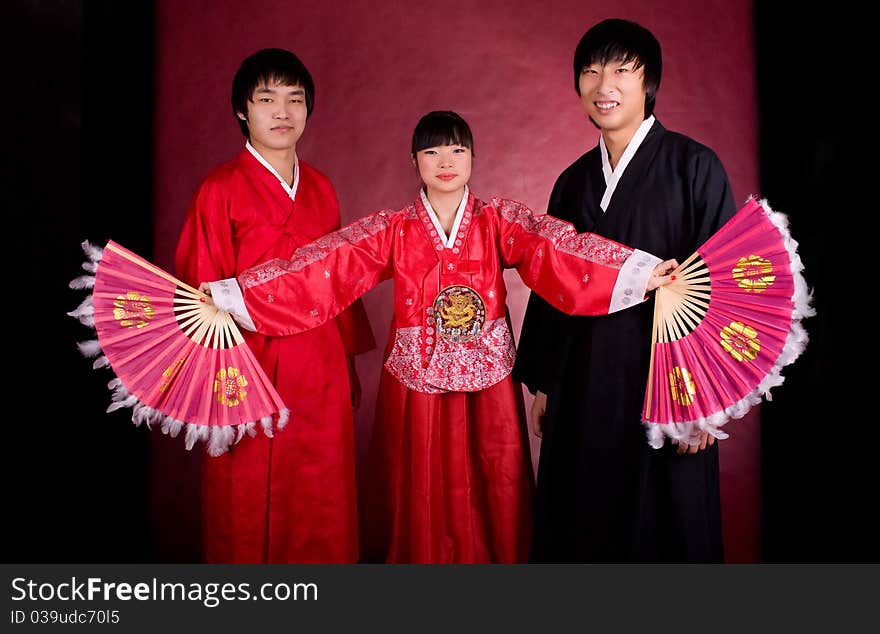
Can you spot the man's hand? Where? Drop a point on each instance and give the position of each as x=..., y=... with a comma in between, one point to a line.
x=539, y=408
x=660, y=275
x=706, y=440
x=354, y=383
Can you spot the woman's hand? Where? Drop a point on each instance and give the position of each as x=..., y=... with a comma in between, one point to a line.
x=206, y=289
x=660, y=276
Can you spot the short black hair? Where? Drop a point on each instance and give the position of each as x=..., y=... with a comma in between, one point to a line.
x=271, y=67
x=616, y=40
x=442, y=127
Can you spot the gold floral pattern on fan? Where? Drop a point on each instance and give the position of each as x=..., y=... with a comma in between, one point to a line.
x=682, y=386
x=133, y=310
x=754, y=274
x=229, y=387
x=169, y=374
x=741, y=341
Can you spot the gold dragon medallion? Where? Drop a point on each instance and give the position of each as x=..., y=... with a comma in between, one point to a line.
x=460, y=313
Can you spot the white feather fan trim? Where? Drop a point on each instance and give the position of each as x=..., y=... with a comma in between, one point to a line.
x=84, y=281
x=85, y=312
x=90, y=348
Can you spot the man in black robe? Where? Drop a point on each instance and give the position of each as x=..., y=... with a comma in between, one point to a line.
x=603, y=493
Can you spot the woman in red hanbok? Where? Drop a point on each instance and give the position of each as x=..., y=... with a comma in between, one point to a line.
x=449, y=478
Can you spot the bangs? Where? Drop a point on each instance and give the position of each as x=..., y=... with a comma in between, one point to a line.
x=279, y=77
x=612, y=52
x=442, y=128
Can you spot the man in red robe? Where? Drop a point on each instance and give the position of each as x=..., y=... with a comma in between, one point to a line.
x=287, y=496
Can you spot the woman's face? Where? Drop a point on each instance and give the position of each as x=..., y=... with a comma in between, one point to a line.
x=444, y=169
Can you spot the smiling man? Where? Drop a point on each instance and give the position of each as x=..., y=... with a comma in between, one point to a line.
x=286, y=497
x=603, y=494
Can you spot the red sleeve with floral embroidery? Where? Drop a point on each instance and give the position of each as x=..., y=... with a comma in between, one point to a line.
x=322, y=279
x=575, y=272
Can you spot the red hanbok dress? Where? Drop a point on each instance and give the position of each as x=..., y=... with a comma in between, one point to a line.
x=449, y=477
x=292, y=497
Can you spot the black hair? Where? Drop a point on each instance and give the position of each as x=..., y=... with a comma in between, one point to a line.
x=442, y=127
x=616, y=40
x=272, y=67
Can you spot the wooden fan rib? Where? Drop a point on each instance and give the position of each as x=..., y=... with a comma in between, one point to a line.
x=217, y=324
x=694, y=288
x=189, y=322
x=181, y=301
x=696, y=277
x=186, y=294
x=668, y=324
x=165, y=300
x=667, y=310
x=684, y=265
x=679, y=328
x=208, y=336
x=123, y=282
x=147, y=266
x=693, y=312
x=234, y=333
x=185, y=318
x=696, y=294
x=185, y=312
x=685, y=325
x=198, y=331
x=227, y=333
x=655, y=326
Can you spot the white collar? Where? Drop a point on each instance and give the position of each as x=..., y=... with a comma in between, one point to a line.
x=289, y=189
x=459, y=214
x=613, y=176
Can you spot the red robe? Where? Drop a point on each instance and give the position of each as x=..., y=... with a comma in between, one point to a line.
x=449, y=477
x=290, y=498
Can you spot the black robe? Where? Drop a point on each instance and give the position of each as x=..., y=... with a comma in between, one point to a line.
x=603, y=494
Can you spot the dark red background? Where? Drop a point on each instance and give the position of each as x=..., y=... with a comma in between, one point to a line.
x=378, y=66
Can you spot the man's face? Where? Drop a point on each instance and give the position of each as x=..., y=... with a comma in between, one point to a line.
x=613, y=95
x=276, y=116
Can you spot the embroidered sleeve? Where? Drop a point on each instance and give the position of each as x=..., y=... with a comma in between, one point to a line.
x=578, y=273
x=321, y=279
